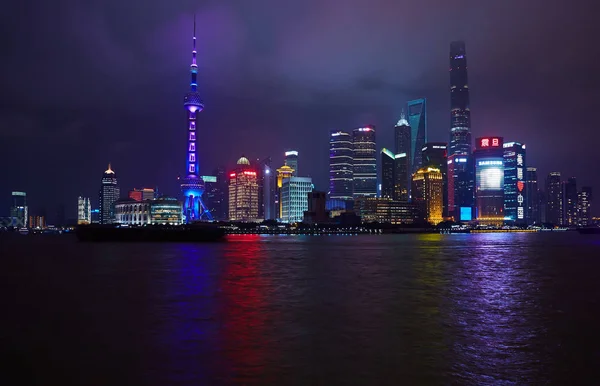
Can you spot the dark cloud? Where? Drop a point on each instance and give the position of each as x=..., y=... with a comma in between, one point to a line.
x=85, y=83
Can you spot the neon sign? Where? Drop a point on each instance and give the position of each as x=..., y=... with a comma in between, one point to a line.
x=489, y=163
x=490, y=142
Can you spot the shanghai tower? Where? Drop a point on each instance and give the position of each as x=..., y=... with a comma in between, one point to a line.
x=192, y=185
x=460, y=114
x=461, y=179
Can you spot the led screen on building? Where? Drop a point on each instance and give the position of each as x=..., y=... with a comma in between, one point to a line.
x=466, y=213
x=490, y=174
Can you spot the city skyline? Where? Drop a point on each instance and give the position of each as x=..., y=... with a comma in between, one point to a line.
x=70, y=134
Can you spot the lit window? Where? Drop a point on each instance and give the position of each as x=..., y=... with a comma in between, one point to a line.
x=192, y=168
x=193, y=146
x=192, y=125
x=192, y=136
x=192, y=157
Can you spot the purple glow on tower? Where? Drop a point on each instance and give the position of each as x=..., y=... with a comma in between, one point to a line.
x=192, y=185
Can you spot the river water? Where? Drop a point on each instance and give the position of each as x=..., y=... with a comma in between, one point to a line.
x=470, y=309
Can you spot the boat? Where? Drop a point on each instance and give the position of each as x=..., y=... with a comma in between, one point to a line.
x=589, y=230
x=150, y=233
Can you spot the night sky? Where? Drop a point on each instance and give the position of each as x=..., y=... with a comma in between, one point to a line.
x=84, y=84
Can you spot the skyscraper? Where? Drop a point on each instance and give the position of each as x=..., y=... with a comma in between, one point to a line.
x=388, y=180
x=402, y=143
x=461, y=187
x=515, y=188
x=84, y=210
x=192, y=185
x=269, y=191
x=243, y=192
x=554, y=199
x=584, y=203
x=365, y=162
x=294, y=198
x=435, y=155
x=341, y=161
x=532, y=213
x=417, y=118
x=291, y=160
x=109, y=194
x=489, y=180
x=570, y=202
x=460, y=114
x=19, y=210
x=282, y=173
x=427, y=192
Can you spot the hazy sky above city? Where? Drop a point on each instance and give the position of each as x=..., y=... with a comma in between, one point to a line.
x=87, y=83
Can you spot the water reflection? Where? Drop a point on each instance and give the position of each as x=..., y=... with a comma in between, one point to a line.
x=493, y=298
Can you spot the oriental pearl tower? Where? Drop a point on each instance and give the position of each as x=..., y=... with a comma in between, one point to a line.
x=192, y=185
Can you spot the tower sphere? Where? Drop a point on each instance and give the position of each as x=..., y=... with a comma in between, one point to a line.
x=193, y=102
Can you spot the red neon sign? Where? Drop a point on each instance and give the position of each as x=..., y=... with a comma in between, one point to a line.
x=250, y=173
x=232, y=175
x=490, y=142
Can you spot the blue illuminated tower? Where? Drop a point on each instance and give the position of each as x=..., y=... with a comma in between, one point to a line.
x=192, y=185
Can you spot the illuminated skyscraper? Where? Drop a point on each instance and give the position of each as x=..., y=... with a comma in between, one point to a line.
x=461, y=187
x=435, y=155
x=427, y=191
x=515, y=187
x=109, y=194
x=341, y=161
x=267, y=190
x=282, y=173
x=417, y=118
x=19, y=210
x=365, y=162
x=84, y=211
x=291, y=160
x=570, y=201
x=294, y=198
x=532, y=197
x=554, y=199
x=489, y=180
x=460, y=114
x=387, y=173
x=402, y=143
x=584, y=203
x=394, y=175
x=243, y=192
x=192, y=185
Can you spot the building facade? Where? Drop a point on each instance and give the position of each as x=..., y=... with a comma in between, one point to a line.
x=215, y=194
x=294, y=198
x=109, y=194
x=489, y=180
x=291, y=160
x=515, y=187
x=84, y=211
x=316, y=212
x=417, y=118
x=387, y=211
x=461, y=198
x=435, y=155
x=460, y=113
x=532, y=197
x=142, y=194
x=19, y=211
x=554, y=199
x=341, y=164
x=584, y=204
x=243, y=192
x=160, y=211
x=570, y=201
x=427, y=191
x=365, y=162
